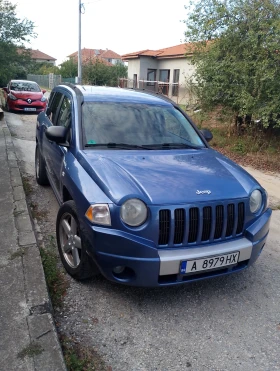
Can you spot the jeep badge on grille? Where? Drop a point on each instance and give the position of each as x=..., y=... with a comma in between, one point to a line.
x=203, y=192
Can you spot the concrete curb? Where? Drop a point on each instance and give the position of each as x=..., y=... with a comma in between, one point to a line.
x=42, y=331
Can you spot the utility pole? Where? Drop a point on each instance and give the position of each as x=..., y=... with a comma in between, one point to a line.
x=80, y=45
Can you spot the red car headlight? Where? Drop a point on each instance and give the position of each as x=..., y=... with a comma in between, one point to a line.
x=12, y=97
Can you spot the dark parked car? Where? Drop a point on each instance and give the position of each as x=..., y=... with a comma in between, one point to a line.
x=25, y=96
x=143, y=199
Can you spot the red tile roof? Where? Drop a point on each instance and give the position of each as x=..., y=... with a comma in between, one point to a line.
x=89, y=54
x=37, y=54
x=109, y=54
x=178, y=51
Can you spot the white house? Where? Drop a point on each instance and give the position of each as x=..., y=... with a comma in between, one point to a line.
x=39, y=56
x=166, y=71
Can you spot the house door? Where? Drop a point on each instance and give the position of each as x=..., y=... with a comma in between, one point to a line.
x=164, y=80
x=135, y=81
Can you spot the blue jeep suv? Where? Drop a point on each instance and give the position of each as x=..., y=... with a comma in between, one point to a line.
x=143, y=198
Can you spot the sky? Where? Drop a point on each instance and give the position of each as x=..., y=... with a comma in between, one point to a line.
x=123, y=26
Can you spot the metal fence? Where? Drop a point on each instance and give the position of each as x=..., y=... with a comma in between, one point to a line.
x=169, y=89
x=46, y=81
x=50, y=81
x=178, y=92
x=68, y=79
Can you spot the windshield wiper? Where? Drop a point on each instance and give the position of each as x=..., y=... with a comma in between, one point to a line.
x=116, y=145
x=172, y=146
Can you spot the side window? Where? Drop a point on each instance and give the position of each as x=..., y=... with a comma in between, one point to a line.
x=64, y=116
x=54, y=104
x=51, y=98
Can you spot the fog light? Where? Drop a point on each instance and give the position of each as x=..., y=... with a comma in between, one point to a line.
x=119, y=269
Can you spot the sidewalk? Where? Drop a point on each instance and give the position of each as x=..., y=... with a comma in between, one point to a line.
x=28, y=338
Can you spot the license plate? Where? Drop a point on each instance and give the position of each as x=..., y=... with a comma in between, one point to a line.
x=29, y=109
x=213, y=262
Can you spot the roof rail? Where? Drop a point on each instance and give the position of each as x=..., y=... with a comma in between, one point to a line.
x=72, y=86
x=155, y=94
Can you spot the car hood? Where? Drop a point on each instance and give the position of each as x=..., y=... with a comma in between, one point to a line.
x=27, y=94
x=167, y=177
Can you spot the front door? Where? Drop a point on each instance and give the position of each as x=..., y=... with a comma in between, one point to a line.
x=64, y=118
x=55, y=153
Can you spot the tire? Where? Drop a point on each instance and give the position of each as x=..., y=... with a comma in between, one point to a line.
x=40, y=168
x=72, y=243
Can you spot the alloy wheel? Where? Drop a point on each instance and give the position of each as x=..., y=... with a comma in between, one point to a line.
x=70, y=240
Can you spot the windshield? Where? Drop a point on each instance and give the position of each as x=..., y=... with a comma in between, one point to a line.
x=24, y=86
x=136, y=124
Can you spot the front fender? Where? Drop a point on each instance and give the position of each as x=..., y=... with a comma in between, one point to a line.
x=80, y=185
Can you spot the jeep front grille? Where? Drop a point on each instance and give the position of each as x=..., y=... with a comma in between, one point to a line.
x=203, y=224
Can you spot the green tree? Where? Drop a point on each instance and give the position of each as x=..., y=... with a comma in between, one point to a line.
x=237, y=56
x=96, y=72
x=14, y=32
x=43, y=68
x=69, y=68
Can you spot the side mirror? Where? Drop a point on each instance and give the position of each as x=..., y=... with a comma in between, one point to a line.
x=57, y=134
x=207, y=134
x=5, y=89
x=43, y=91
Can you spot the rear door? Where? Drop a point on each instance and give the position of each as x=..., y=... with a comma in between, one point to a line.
x=50, y=120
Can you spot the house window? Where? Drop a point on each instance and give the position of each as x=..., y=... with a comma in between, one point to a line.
x=164, y=81
x=151, y=76
x=175, y=88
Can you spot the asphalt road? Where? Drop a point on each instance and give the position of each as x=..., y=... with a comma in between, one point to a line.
x=229, y=323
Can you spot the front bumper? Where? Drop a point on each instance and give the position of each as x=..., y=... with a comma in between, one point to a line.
x=148, y=266
x=23, y=106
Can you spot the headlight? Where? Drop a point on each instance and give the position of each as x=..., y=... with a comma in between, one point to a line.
x=99, y=214
x=255, y=201
x=12, y=97
x=134, y=212
x=43, y=99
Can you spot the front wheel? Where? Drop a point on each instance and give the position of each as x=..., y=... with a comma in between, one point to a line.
x=72, y=243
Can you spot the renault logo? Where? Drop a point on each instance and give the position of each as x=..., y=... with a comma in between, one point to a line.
x=29, y=100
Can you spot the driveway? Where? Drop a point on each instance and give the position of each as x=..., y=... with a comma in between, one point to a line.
x=228, y=323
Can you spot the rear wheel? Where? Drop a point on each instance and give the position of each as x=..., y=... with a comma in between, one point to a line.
x=72, y=243
x=40, y=168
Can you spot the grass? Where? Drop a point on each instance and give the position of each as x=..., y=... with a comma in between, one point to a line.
x=77, y=357
x=251, y=146
x=81, y=358
x=55, y=278
x=26, y=185
x=31, y=350
x=36, y=213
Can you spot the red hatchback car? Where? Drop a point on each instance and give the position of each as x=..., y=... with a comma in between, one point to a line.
x=23, y=95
